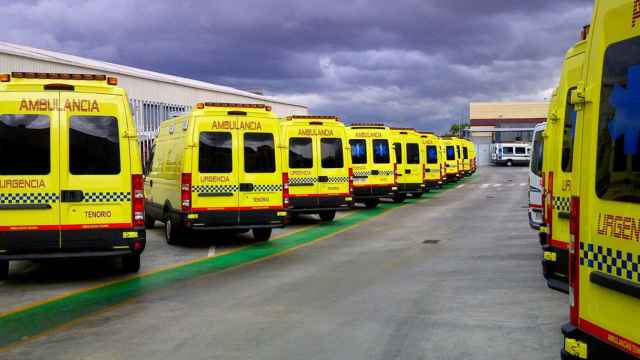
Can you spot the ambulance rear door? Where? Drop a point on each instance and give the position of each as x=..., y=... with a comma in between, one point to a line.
x=303, y=166
x=333, y=172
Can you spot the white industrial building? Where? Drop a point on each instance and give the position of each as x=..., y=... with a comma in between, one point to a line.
x=153, y=96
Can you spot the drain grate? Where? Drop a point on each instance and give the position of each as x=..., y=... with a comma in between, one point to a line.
x=431, y=242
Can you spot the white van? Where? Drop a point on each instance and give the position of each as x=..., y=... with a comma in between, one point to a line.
x=535, y=177
x=510, y=154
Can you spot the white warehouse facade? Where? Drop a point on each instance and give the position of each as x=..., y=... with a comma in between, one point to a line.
x=153, y=96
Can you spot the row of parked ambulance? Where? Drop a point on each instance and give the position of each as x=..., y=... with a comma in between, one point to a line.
x=74, y=184
x=585, y=186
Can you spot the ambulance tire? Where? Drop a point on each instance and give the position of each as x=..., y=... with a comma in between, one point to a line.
x=418, y=195
x=173, y=232
x=509, y=163
x=149, y=222
x=4, y=270
x=131, y=263
x=327, y=216
x=371, y=204
x=399, y=199
x=261, y=234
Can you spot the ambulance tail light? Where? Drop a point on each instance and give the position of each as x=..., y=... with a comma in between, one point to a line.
x=544, y=198
x=137, y=190
x=285, y=190
x=185, y=192
x=5, y=77
x=350, y=181
x=574, y=261
x=395, y=173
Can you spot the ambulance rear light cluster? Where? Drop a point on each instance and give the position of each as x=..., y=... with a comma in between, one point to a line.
x=58, y=76
x=203, y=105
x=285, y=189
x=574, y=261
x=351, y=181
x=137, y=189
x=185, y=192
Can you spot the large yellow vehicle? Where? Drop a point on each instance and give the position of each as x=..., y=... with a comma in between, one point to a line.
x=374, y=164
x=452, y=159
x=410, y=163
x=558, y=171
x=435, y=159
x=316, y=157
x=71, y=175
x=217, y=167
x=473, y=157
x=465, y=147
x=604, y=253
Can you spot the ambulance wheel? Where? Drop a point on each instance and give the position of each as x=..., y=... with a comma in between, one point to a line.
x=509, y=163
x=131, y=263
x=371, y=204
x=172, y=232
x=4, y=270
x=418, y=195
x=400, y=198
x=149, y=222
x=261, y=234
x=327, y=216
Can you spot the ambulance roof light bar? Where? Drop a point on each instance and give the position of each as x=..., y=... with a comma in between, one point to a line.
x=403, y=128
x=202, y=105
x=368, y=125
x=585, y=32
x=59, y=76
x=312, y=117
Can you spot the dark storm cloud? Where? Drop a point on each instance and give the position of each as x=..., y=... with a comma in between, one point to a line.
x=412, y=62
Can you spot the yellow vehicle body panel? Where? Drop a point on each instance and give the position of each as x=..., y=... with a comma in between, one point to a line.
x=452, y=159
x=410, y=160
x=434, y=159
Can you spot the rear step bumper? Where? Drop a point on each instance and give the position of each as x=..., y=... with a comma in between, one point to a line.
x=555, y=268
x=318, y=210
x=595, y=348
x=230, y=220
x=410, y=189
x=66, y=255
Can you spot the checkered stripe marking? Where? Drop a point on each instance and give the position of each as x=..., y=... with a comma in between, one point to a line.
x=215, y=188
x=267, y=188
x=106, y=197
x=303, y=181
x=29, y=198
x=562, y=203
x=612, y=261
x=338, y=179
x=385, y=172
x=361, y=173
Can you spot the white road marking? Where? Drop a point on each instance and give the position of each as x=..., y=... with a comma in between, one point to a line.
x=484, y=186
x=497, y=185
x=212, y=252
x=460, y=186
x=523, y=184
x=512, y=184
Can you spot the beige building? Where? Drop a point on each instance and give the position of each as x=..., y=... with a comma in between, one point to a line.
x=503, y=122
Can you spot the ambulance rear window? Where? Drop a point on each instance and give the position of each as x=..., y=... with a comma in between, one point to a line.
x=214, y=154
x=94, y=145
x=331, y=152
x=432, y=154
x=27, y=138
x=413, y=154
x=300, y=153
x=358, y=151
x=259, y=153
x=381, y=152
x=618, y=152
x=537, y=155
x=465, y=153
x=397, y=147
x=451, y=153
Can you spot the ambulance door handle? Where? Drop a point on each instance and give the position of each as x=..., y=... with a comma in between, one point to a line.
x=564, y=215
x=407, y=171
x=71, y=196
x=323, y=179
x=615, y=284
x=25, y=207
x=246, y=187
x=375, y=172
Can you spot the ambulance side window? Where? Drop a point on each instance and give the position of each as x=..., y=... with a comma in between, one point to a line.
x=214, y=154
x=397, y=147
x=507, y=150
x=259, y=153
x=358, y=151
x=413, y=154
x=451, y=153
x=570, y=119
x=300, y=153
x=521, y=151
x=432, y=154
x=27, y=138
x=458, y=147
x=94, y=145
x=465, y=153
x=618, y=151
x=331, y=152
x=381, y=152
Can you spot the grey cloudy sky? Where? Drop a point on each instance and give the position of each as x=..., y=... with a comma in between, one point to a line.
x=405, y=62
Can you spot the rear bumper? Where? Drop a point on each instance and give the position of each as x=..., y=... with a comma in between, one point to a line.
x=372, y=192
x=410, y=189
x=555, y=268
x=430, y=184
x=32, y=245
x=533, y=223
x=314, y=205
x=222, y=220
x=595, y=348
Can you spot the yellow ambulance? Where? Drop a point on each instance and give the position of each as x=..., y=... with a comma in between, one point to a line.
x=604, y=250
x=557, y=172
x=72, y=185
x=373, y=162
x=217, y=167
x=452, y=162
x=410, y=163
x=434, y=160
x=466, y=157
x=316, y=157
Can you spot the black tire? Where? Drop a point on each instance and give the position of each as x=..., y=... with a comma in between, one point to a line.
x=399, y=198
x=173, y=233
x=131, y=263
x=371, y=204
x=327, y=216
x=509, y=163
x=418, y=195
x=149, y=222
x=4, y=270
x=261, y=234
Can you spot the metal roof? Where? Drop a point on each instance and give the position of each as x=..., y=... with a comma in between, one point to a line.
x=66, y=59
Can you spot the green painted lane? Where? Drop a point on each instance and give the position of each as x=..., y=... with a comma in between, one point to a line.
x=21, y=325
